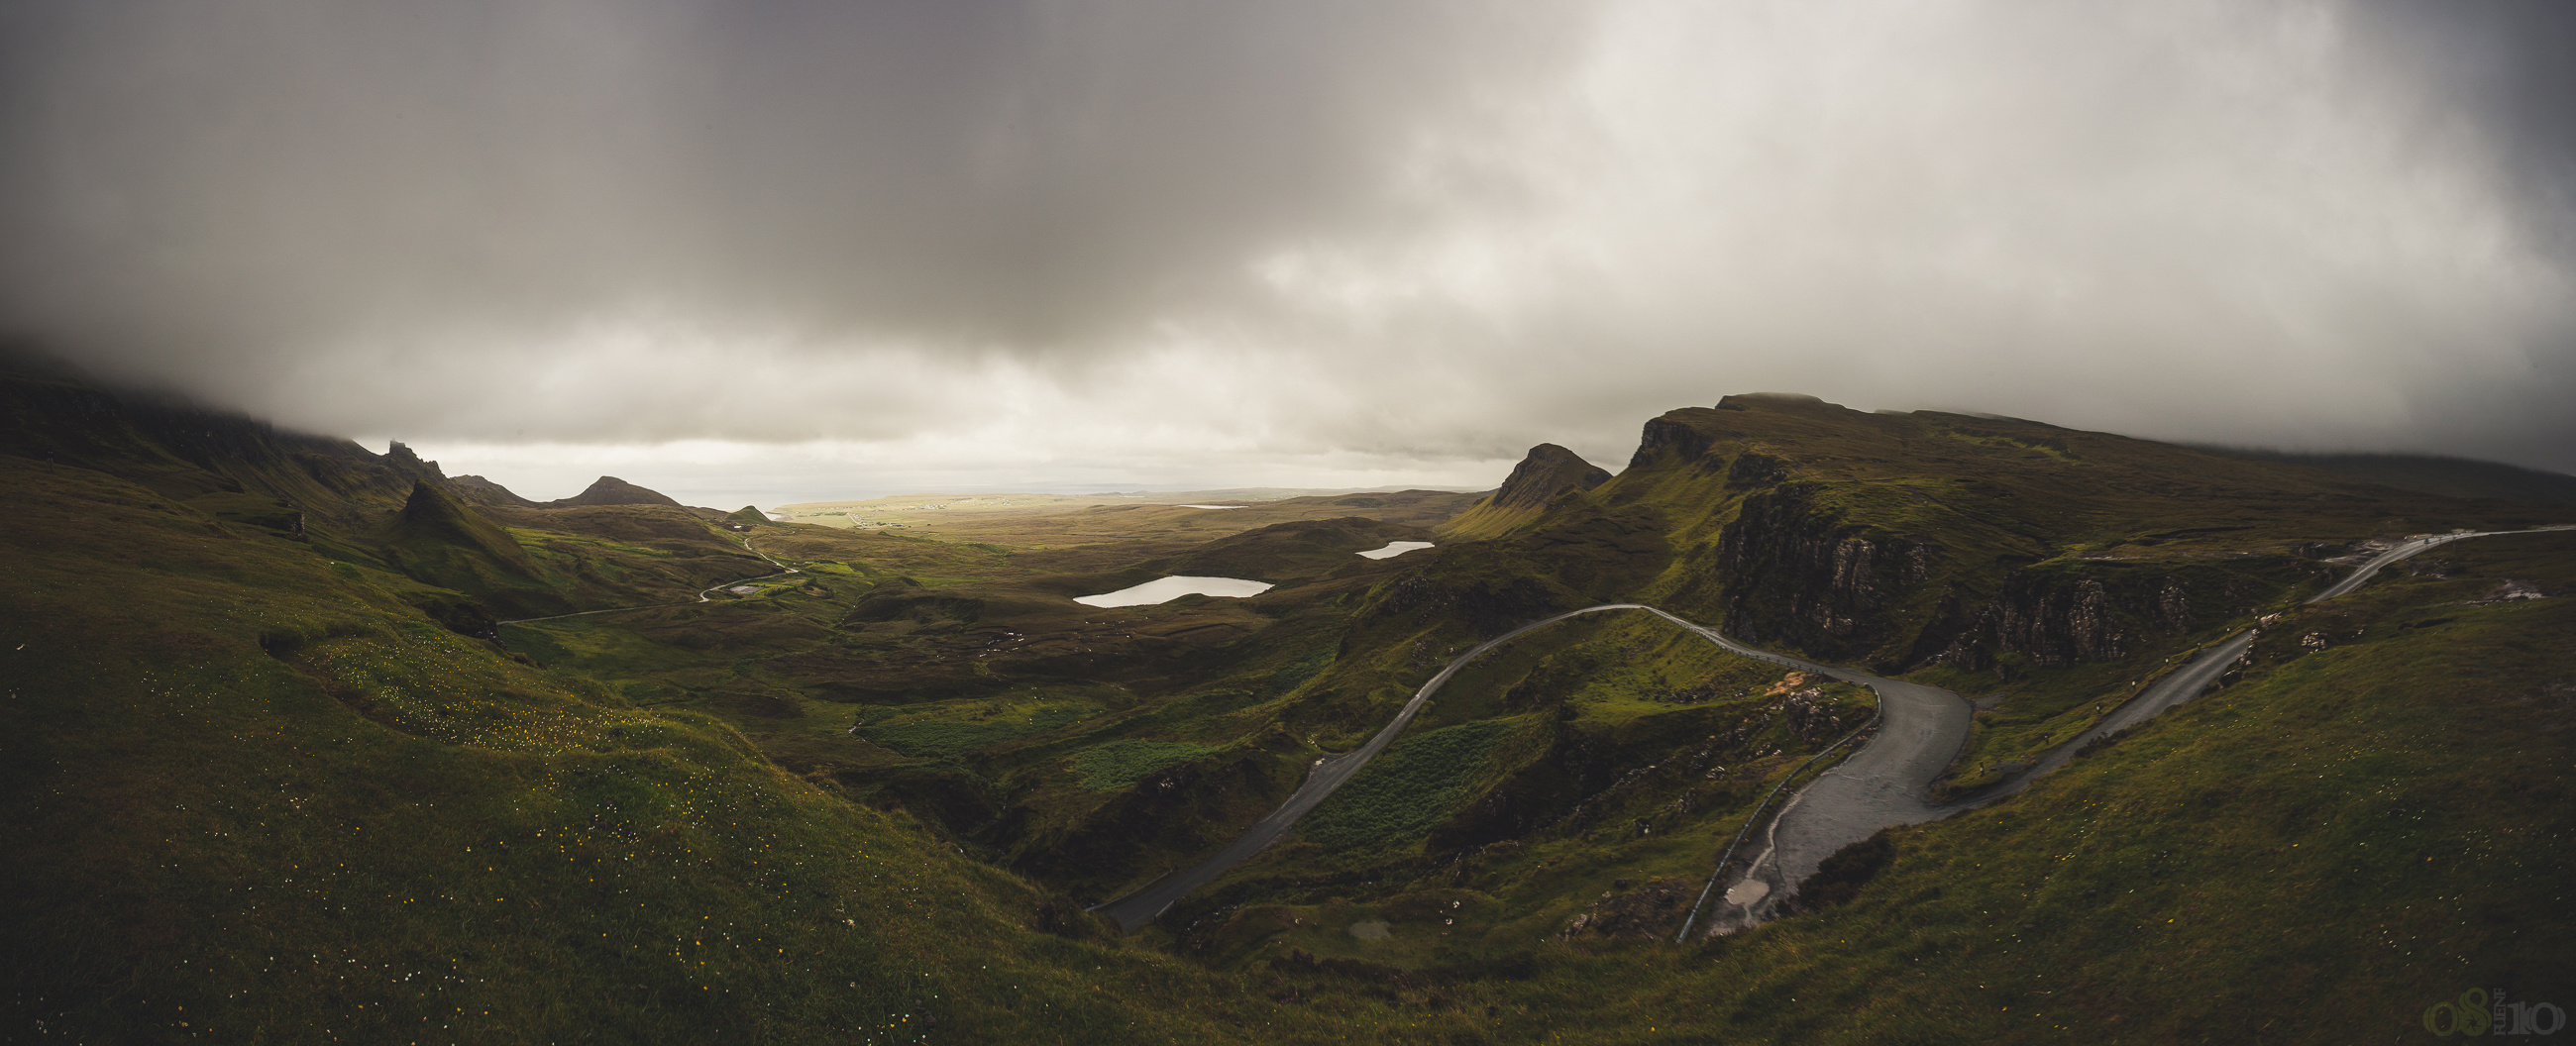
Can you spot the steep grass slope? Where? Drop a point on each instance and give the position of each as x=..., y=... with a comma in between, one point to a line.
x=255, y=795
x=1546, y=473
x=2349, y=835
x=2370, y=820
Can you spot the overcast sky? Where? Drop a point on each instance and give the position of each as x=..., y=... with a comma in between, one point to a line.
x=753, y=250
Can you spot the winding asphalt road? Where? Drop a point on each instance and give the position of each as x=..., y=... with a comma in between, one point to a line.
x=1887, y=782
x=2195, y=675
x=1917, y=736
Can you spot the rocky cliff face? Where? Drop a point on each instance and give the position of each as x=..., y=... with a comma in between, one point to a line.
x=2059, y=619
x=1801, y=574
x=1665, y=438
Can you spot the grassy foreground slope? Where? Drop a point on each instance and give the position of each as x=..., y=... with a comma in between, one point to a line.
x=254, y=795
x=2316, y=854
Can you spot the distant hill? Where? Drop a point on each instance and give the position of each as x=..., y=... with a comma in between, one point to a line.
x=610, y=490
x=479, y=491
x=2432, y=474
x=1544, y=475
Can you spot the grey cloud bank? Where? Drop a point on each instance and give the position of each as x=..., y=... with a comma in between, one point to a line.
x=892, y=241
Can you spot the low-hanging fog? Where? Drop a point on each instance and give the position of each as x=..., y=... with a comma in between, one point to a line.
x=755, y=250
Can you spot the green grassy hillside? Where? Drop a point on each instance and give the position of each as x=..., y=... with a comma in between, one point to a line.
x=278, y=775
x=1545, y=474
x=255, y=795
x=2318, y=853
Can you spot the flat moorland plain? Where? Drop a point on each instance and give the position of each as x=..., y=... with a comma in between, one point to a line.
x=1050, y=520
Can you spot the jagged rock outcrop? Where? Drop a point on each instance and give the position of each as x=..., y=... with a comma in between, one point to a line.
x=1751, y=469
x=610, y=490
x=404, y=458
x=1665, y=438
x=1547, y=473
x=2057, y=626
x=2057, y=620
x=1683, y=435
x=1815, y=719
x=1800, y=574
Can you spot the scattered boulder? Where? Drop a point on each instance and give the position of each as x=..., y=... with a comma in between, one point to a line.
x=1649, y=912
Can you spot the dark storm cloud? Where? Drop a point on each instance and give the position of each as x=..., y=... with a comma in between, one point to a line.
x=2506, y=64
x=2503, y=67
x=1359, y=235
x=218, y=182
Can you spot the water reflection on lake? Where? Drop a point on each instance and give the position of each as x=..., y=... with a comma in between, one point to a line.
x=1165, y=589
x=1395, y=548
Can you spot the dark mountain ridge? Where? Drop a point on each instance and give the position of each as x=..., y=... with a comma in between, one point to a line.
x=2430, y=474
x=393, y=511
x=185, y=452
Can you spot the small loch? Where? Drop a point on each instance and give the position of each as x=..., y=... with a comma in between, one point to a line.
x=1166, y=589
